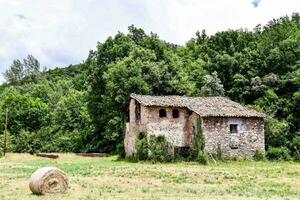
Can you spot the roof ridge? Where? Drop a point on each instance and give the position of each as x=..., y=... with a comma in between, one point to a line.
x=174, y=95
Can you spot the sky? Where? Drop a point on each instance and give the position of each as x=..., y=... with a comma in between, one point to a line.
x=61, y=32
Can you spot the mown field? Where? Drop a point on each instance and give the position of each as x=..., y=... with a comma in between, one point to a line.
x=107, y=178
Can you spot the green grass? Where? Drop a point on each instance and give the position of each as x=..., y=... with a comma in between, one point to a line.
x=107, y=178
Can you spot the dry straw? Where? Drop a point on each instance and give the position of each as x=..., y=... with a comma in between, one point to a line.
x=48, y=180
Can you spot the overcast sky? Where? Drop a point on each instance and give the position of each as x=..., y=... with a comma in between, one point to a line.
x=61, y=32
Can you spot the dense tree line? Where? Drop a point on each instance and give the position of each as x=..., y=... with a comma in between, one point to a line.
x=83, y=107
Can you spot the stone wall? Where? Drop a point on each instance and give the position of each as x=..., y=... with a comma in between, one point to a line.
x=249, y=138
x=176, y=130
x=181, y=131
x=132, y=128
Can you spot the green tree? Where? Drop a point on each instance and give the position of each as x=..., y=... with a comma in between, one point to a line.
x=15, y=72
x=212, y=85
x=25, y=112
x=18, y=70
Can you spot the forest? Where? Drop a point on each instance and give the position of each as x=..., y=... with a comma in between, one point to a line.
x=82, y=108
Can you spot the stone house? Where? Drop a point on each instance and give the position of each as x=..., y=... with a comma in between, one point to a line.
x=237, y=130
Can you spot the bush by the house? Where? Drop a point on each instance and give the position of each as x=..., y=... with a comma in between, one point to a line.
x=278, y=153
x=153, y=148
x=202, y=157
x=159, y=149
x=142, y=149
x=259, y=155
x=121, y=150
x=295, y=146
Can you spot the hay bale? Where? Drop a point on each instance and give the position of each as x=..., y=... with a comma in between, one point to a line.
x=48, y=180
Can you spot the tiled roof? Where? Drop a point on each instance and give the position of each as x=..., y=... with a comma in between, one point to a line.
x=204, y=106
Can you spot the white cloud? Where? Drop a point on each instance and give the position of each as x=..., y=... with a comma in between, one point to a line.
x=61, y=32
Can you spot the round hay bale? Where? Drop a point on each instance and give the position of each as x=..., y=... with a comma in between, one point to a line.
x=48, y=180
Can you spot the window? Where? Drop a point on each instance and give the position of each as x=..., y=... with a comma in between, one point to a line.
x=233, y=128
x=175, y=113
x=162, y=113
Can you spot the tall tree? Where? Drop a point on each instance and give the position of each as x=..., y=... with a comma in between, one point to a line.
x=212, y=85
x=15, y=72
x=18, y=70
x=31, y=66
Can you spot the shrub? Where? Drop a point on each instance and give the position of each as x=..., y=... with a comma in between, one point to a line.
x=185, y=153
x=197, y=152
x=259, y=155
x=159, y=149
x=202, y=157
x=219, y=155
x=200, y=140
x=120, y=150
x=295, y=146
x=132, y=158
x=142, y=149
x=26, y=141
x=153, y=148
x=278, y=153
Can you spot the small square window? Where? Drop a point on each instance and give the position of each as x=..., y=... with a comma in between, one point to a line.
x=233, y=128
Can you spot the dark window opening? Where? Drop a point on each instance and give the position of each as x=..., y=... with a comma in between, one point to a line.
x=162, y=113
x=175, y=113
x=137, y=112
x=233, y=128
x=190, y=112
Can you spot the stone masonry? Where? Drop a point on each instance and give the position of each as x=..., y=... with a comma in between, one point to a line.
x=236, y=136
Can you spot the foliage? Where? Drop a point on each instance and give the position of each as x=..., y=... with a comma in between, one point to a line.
x=259, y=155
x=30, y=68
x=200, y=140
x=8, y=147
x=83, y=107
x=202, y=157
x=24, y=112
x=159, y=149
x=212, y=85
x=278, y=153
x=153, y=148
x=120, y=150
x=142, y=147
x=197, y=152
x=295, y=146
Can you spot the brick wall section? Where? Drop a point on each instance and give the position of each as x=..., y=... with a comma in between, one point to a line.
x=250, y=136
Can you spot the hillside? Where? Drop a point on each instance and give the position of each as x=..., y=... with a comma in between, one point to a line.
x=83, y=107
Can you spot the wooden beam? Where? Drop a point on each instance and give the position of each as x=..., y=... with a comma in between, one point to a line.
x=48, y=155
x=92, y=154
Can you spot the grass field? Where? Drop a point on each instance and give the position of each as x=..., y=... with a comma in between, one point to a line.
x=107, y=178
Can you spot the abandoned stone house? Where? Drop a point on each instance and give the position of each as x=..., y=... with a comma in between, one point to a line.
x=237, y=130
